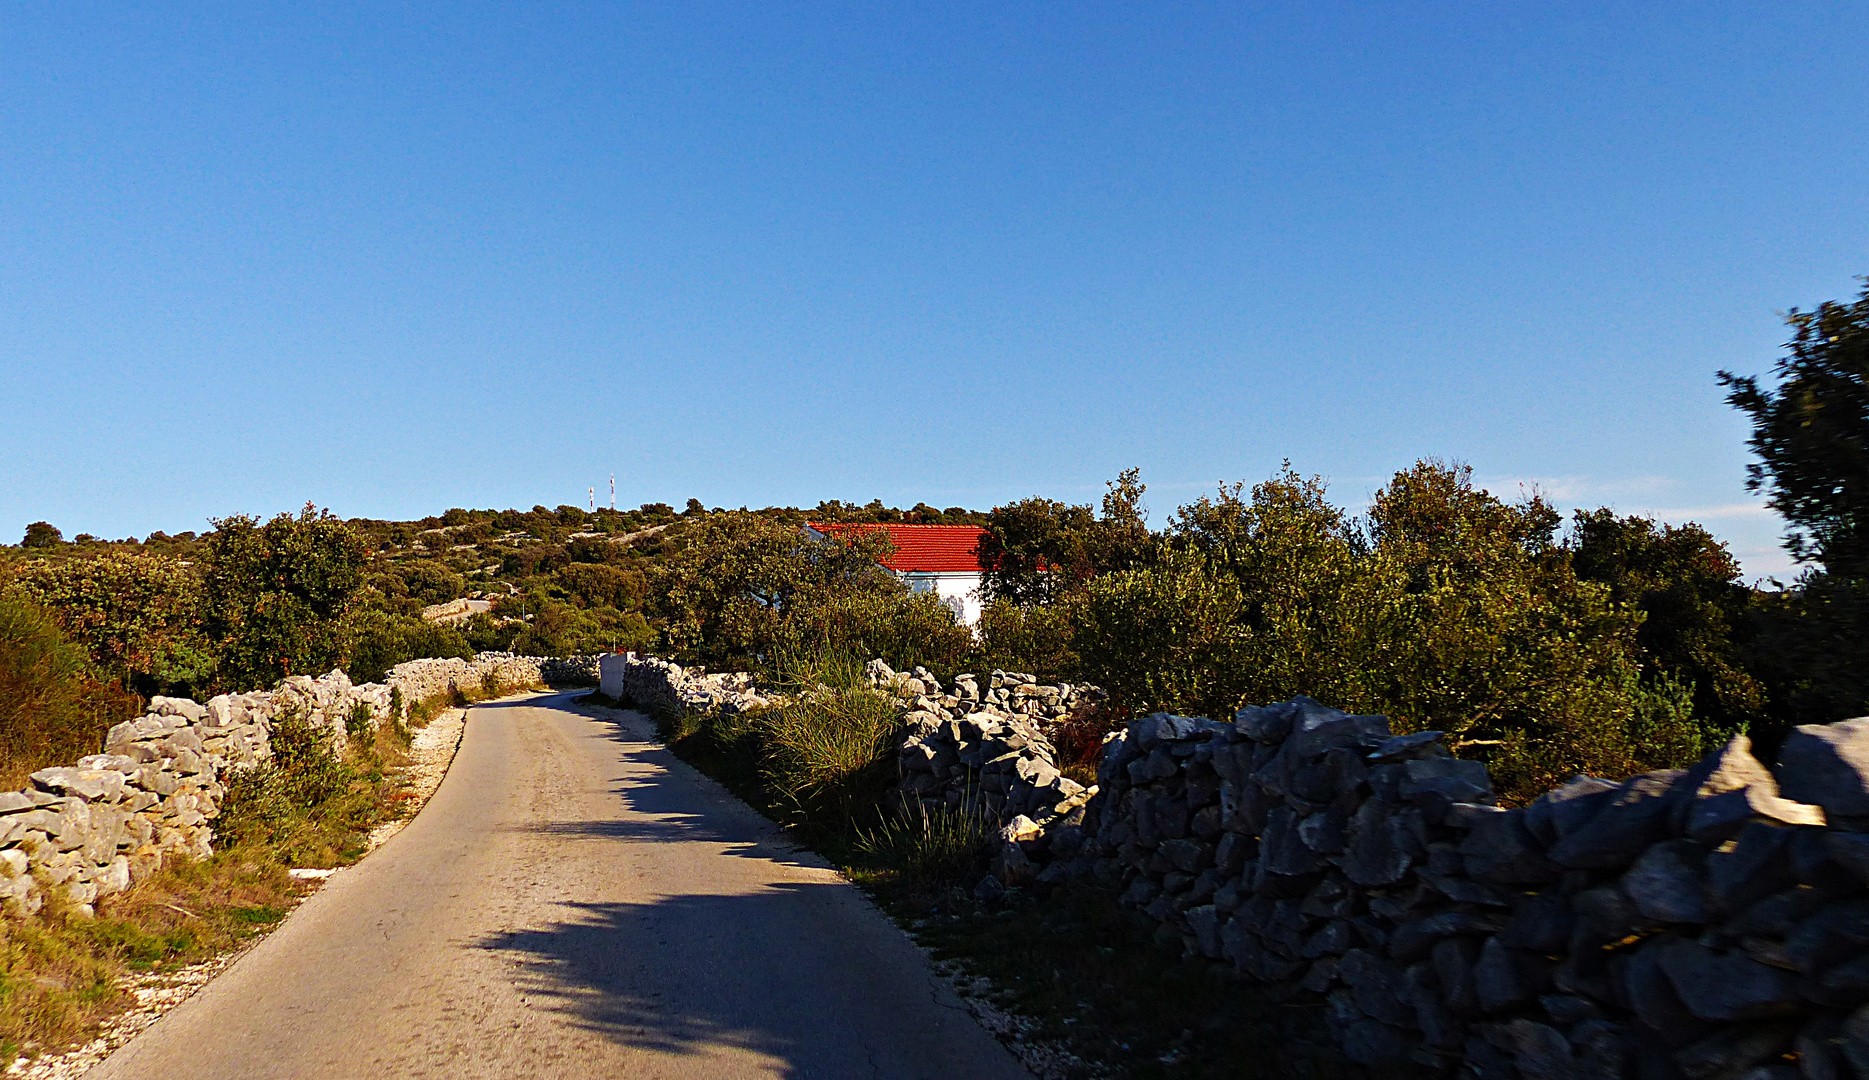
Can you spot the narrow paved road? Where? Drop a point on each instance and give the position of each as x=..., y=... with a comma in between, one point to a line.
x=575, y=902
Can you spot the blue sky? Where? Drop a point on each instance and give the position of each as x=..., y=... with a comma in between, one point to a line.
x=391, y=258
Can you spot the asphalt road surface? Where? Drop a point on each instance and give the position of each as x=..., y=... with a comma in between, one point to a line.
x=575, y=902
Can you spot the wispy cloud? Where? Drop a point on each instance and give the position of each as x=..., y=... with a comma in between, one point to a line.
x=1711, y=513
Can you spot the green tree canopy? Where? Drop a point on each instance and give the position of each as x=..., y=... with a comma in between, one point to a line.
x=277, y=594
x=1811, y=434
x=1696, y=612
x=139, y=616
x=1037, y=550
x=725, y=595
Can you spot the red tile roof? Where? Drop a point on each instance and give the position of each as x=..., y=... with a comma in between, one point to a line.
x=922, y=549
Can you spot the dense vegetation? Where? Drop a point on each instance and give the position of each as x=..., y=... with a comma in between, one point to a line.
x=1605, y=644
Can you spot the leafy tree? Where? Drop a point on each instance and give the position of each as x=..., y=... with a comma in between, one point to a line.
x=42, y=534
x=1811, y=434
x=379, y=640
x=1809, y=652
x=433, y=583
x=139, y=617
x=1448, y=609
x=1037, y=550
x=1486, y=632
x=726, y=594
x=52, y=708
x=278, y=593
x=1697, y=616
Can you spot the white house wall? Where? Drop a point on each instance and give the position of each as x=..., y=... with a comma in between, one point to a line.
x=960, y=592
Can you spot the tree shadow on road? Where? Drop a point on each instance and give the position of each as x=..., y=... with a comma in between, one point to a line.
x=672, y=802
x=793, y=973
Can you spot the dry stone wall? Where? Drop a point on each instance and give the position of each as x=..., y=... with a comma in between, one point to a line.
x=1710, y=923
x=655, y=685
x=984, y=748
x=1699, y=923
x=94, y=828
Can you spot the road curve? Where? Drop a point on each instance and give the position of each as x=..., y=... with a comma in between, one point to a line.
x=575, y=902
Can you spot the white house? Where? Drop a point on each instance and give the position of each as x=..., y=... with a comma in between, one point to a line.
x=939, y=559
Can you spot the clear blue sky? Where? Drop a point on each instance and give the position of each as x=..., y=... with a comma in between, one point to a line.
x=391, y=259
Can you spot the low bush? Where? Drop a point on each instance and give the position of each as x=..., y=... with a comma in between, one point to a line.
x=905, y=628
x=829, y=755
x=53, y=710
x=820, y=762
x=929, y=850
x=380, y=640
x=308, y=806
x=1034, y=638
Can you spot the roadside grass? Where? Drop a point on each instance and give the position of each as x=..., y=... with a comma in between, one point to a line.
x=1079, y=973
x=62, y=975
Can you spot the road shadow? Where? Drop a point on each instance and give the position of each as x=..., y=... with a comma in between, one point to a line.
x=672, y=802
x=787, y=972
x=806, y=975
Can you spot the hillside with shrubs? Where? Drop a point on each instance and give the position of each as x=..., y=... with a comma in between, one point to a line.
x=1604, y=644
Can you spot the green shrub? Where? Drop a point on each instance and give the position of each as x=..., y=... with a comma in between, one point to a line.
x=379, y=640
x=53, y=710
x=277, y=595
x=904, y=628
x=828, y=752
x=1032, y=637
x=1168, y=637
x=307, y=806
x=930, y=850
x=432, y=582
x=357, y=725
x=1698, y=616
x=1448, y=609
x=537, y=625
x=139, y=616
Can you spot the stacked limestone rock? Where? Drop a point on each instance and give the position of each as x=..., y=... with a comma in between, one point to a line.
x=1711, y=922
x=983, y=762
x=648, y=683
x=1008, y=693
x=556, y=671
x=92, y=829
x=986, y=752
x=422, y=679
